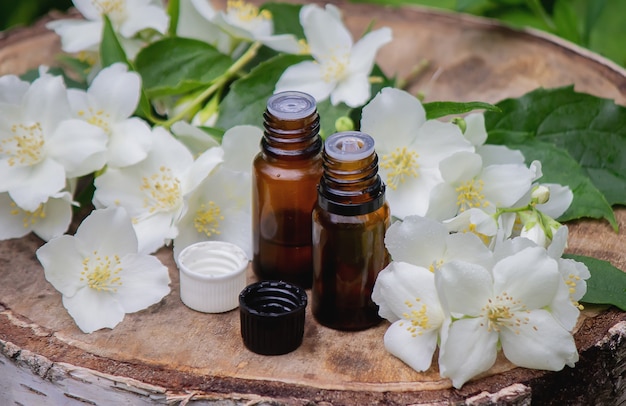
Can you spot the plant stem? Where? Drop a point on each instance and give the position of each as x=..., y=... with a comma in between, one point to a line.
x=216, y=85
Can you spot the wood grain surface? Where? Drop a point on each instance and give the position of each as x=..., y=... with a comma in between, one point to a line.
x=169, y=354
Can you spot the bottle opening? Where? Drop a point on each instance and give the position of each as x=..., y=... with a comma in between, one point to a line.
x=349, y=146
x=291, y=105
x=272, y=298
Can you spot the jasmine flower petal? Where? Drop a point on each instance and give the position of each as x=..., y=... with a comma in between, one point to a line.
x=92, y=311
x=468, y=350
x=539, y=343
x=415, y=350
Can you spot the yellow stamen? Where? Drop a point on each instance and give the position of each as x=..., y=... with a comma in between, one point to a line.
x=162, y=190
x=469, y=195
x=334, y=67
x=401, y=163
x=207, y=219
x=110, y=7
x=246, y=11
x=435, y=265
x=417, y=317
x=303, y=47
x=571, y=281
x=472, y=229
x=503, y=311
x=102, y=273
x=30, y=217
x=98, y=118
x=25, y=147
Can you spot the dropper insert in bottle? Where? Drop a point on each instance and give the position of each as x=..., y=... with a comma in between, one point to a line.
x=349, y=146
x=291, y=105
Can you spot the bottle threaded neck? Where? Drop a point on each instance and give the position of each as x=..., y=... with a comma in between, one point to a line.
x=350, y=184
x=292, y=125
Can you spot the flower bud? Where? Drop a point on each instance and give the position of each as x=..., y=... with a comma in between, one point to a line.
x=540, y=194
x=460, y=122
x=344, y=123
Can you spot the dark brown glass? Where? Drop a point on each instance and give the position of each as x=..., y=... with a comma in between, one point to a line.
x=285, y=177
x=349, y=224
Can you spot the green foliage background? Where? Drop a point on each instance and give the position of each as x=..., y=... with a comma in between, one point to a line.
x=16, y=13
x=599, y=25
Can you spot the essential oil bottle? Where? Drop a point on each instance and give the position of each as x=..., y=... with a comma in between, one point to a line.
x=285, y=176
x=349, y=224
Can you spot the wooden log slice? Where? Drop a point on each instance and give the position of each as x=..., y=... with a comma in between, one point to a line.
x=169, y=354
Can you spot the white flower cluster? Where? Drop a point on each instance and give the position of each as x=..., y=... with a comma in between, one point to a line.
x=52, y=135
x=151, y=186
x=434, y=169
x=476, y=255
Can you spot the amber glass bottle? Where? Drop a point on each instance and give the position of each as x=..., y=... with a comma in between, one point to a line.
x=349, y=225
x=285, y=177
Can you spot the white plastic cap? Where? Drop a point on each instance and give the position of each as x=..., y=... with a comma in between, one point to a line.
x=212, y=274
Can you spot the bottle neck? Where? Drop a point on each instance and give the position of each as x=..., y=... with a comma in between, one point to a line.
x=351, y=187
x=291, y=139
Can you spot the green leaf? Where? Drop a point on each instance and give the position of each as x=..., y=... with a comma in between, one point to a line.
x=80, y=68
x=606, y=37
x=445, y=108
x=178, y=65
x=592, y=15
x=33, y=74
x=247, y=98
x=566, y=21
x=519, y=17
x=329, y=115
x=286, y=18
x=590, y=129
x=559, y=167
x=607, y=284
x=111, y=50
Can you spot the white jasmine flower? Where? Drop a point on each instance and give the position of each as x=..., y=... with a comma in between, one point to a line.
x=109, y=103
x=221, y=207
x=468, y=184
x=51, y=219
x=241, y=22
x=246, y=22
x=559, y=199
x=545, y=202
x=341, y=68
x=99, y=272
x=194, y=21
x=565, y=307
x=153, y=191
x=128, y=18
x=12, y=89
x=194, y=138
x=474, y=221
x=574, y=274
x=500, y=155
x=426, y=243
x=535, y=231
x=219, y=210
x=511, y=306
x=406, y=296
x=475, y=130
x=41, y=145
x=410, y=148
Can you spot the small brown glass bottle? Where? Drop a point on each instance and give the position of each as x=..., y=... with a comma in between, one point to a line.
x=285, y=177
x=349, y=225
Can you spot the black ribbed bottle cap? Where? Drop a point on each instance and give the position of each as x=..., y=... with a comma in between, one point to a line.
x=272, y=317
